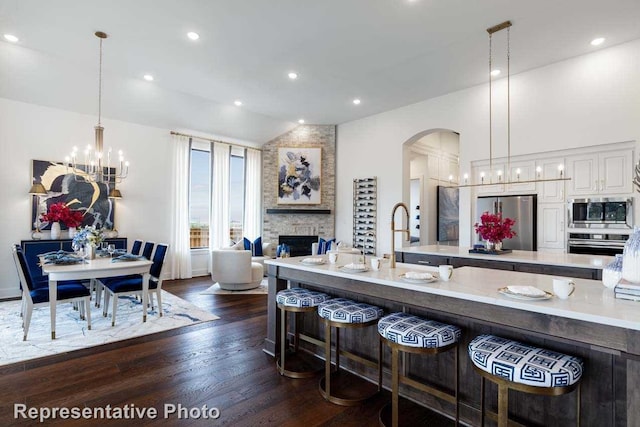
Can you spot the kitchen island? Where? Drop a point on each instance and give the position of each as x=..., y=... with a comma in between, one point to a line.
x=553, y=263
x=591, y=324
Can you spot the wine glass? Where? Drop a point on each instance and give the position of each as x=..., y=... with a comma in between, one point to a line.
x=111, y=248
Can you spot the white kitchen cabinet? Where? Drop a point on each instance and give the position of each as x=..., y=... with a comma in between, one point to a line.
x=527, y=171
x=551, y=191
x=551, y=226
x=600, y=173
x=496, y=177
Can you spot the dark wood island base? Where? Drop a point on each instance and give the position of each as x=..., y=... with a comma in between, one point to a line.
x=609, y=344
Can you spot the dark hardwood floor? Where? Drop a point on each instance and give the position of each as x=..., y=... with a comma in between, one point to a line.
x=219, y=364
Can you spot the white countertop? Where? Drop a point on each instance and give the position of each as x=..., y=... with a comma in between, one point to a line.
x=529, y=257
x=590, y=302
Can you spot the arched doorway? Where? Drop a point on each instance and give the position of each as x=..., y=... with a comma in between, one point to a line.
x=431, y=166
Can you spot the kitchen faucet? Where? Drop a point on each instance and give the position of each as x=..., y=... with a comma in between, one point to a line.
x=392, y=263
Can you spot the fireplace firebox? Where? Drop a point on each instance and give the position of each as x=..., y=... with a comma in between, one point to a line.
x=299, y=245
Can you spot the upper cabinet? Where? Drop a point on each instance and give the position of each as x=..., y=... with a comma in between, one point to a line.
x=602, y=173
x=550, y=191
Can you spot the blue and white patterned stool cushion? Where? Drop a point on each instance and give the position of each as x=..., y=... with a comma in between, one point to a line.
x=300, y=297
x=524, y=364
x=413, y=331
x=347, y=311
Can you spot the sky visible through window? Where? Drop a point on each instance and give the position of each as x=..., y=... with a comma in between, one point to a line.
x=200, y=188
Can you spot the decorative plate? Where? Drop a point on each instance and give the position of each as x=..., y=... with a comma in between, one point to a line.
x=506, y=292
x=307, y=262
x=353, y=270
x=418, y=281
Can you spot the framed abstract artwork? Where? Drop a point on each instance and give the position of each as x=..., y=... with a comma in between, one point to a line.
x=299, y=176
x=448, y=214
x=72, y=189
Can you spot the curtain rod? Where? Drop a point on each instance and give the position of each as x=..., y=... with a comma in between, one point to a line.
x=213, y=140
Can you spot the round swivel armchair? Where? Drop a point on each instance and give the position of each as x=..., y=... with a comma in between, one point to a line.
x=234, y=271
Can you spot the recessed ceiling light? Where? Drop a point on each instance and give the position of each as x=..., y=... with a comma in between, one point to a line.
x=597, y=41
x=148, y=77
x=293, y=75
x=237, y=102
x=193, y=36
x=301, y=121
x=495, y=73
x=356, y=101
x=11, y=38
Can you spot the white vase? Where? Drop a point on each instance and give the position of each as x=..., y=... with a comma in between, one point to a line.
x=55, y=230
x=72, y=232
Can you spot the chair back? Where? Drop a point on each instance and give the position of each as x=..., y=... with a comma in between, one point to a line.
x=23, y=271
x=158, y=260
x=14, y=249
x=137, y=245
x=148, y=248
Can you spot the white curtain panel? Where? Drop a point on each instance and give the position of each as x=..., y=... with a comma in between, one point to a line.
x=180, y=244
x=253, y=194
x=220, y=169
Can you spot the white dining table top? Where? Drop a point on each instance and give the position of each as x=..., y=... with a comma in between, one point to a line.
x=95, y=268
x=590, y=302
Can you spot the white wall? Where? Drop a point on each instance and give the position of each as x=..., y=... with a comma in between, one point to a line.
x=587, y=100
x=30, y=132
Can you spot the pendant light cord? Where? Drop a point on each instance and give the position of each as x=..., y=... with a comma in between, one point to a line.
x=100, y=86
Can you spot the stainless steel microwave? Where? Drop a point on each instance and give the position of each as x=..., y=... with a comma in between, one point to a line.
x=601, y=213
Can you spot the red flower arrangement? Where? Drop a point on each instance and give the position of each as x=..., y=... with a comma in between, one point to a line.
x=494, y=228
x=61, y=212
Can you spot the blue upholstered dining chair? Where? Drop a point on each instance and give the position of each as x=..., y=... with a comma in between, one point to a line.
x=137, y=245
x=116, y=286
x=148, y=249
x=35, y=296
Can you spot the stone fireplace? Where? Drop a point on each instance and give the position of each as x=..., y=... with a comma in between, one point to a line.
x=300, y=220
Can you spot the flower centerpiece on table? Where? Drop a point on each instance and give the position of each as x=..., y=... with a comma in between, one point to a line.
x=494, y=229
x=60, y=212
x=89, y=236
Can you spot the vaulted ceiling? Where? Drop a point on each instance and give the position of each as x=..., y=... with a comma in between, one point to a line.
x=387, y=53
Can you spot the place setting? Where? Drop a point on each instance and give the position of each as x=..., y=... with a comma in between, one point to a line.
x=354, y=268
x=312, y=261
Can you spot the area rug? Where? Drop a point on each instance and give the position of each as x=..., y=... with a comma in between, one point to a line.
x=72, y=333
x=215, y=290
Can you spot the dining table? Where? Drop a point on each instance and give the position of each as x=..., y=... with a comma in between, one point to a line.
x=100, y=267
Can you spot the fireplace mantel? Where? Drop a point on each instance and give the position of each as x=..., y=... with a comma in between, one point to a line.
x=299, y=211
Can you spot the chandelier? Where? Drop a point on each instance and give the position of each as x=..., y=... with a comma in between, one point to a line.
x=95, y=165
x=500, y=177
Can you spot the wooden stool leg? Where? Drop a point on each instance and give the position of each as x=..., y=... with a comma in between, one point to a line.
x=296, y=333
x=578, y=406
x=379, y=362
x=503, y=406
x=481, y=401
x=283, y=338
x=337, y=349
x=457, y=381
x=327, y=359
x=395, y=374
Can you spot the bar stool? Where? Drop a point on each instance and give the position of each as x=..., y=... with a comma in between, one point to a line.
x=296, y=300
x=342, y=387
x=517, y=366
x=412, y=334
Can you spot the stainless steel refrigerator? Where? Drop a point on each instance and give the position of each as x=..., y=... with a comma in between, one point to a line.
x=521, y=208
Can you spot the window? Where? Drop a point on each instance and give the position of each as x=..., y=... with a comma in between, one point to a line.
x=200, y=198
x=200, y=195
